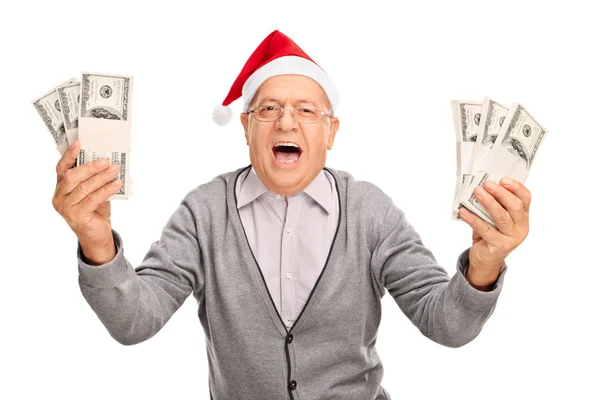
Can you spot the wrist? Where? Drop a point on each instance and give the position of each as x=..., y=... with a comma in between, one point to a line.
x=480, y=278
x=98, y=255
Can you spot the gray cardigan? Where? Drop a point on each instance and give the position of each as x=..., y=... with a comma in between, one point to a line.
x=329, y=352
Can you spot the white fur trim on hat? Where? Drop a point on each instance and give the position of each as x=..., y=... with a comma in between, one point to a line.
x=290, y=65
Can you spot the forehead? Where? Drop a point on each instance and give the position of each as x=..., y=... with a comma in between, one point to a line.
x=291, y=87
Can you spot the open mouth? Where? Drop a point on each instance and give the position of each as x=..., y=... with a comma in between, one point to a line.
x=287, y=153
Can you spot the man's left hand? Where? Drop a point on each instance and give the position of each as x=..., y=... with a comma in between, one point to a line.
x=508, y=205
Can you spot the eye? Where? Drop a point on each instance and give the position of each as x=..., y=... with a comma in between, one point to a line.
x=307, y=111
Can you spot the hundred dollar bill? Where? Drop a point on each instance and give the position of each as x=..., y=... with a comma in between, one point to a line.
x=68, y=96
x=512, y=155
x=493, y=115
x=105, y=122
x=105, y=96
x=466, y=115
x=48, y=108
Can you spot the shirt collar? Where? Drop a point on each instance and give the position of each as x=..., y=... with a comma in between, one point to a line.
x=319, y=190
x=252, y=188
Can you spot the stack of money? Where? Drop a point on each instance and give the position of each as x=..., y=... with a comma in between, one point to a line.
x=480, y=157
x=95, y=110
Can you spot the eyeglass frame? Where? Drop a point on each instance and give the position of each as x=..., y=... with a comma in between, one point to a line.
x=320, y=113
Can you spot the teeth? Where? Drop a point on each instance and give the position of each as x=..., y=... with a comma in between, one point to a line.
x=286, y=144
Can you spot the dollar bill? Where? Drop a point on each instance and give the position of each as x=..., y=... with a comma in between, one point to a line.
x=69, y=96
x=467, y=118
x=493, y=116
x=48, y=108
x=512, y=155
x=105, y=123
x=105, y=96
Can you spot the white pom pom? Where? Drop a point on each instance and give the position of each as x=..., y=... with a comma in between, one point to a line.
x=222, y=114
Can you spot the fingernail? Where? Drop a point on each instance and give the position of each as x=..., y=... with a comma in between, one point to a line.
x=490, y=184
x=101, y=162
x=114, y=167
x=507, y=181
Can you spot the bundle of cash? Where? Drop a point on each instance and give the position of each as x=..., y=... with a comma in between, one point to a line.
x=481, y=157
x=95, y=110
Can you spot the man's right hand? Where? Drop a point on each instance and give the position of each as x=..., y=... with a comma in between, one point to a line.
x=81, y=198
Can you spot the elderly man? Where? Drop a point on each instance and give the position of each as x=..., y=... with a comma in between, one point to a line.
x=288, y=259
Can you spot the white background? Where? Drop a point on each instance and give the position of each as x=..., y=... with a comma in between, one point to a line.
x=404, y=65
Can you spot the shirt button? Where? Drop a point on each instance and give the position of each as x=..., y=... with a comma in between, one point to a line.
x=288, y=275
x=289, y=338
x=278, y=196
x=288, y=229
x=292, y=385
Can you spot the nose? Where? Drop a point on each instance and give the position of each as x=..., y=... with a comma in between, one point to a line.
x=287, y=122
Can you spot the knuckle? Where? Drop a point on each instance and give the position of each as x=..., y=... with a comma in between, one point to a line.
x=95, y=166
x=90, y=198
x=82, y=188
x=485, y=227
x=520, y=205
x=68, y=176
x=90, y=167
x=503, y=218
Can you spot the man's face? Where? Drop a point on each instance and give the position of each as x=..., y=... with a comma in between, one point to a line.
x=313, y=140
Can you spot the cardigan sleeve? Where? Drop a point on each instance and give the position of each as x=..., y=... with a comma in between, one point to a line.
x=134, y=304
x=447, y=310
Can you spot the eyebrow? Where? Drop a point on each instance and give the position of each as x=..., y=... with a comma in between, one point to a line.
x=312, y=102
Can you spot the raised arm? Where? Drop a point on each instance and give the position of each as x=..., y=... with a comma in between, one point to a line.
x=134, y=304
x=447, y=310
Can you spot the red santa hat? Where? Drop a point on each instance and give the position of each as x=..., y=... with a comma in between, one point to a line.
x=276, y=55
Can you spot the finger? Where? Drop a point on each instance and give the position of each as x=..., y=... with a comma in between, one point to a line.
x=67, y=161
x=509, y=201
x=487, y=232
x=91, y=184
x=75, y=176
x=519, y=190
x=92, y=201
x=499, y=214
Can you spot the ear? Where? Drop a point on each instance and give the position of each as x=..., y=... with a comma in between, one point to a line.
x=335, y=125
x=244, y=120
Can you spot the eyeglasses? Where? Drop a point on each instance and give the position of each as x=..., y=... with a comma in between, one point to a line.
x=303, y=115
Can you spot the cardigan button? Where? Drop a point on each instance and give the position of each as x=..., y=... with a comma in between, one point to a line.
x=292, y=385
x=289, y=338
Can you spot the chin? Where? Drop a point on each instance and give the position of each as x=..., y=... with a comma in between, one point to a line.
x=286, y=182
x=286, y=178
